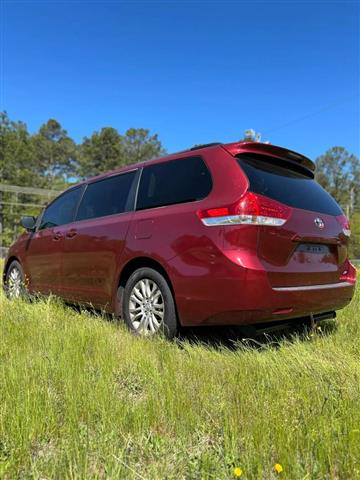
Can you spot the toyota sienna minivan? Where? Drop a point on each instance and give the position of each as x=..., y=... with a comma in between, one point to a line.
x=221, y=234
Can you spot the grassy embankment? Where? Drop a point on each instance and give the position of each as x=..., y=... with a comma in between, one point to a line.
x=82, y=398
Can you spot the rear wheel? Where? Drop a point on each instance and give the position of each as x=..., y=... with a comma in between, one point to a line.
x=15, y=281
x=148, y=304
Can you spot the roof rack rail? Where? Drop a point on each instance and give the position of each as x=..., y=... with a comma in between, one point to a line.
x=197, y=147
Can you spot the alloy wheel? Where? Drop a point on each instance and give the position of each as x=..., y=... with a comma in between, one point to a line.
x=146, y=307
x=14, y=283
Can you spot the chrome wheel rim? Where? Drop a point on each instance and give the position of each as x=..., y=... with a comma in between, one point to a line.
x=146, y=307
x=14, y=283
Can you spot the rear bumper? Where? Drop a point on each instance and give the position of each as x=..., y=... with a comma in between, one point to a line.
x=227, y=293
x=277, y=305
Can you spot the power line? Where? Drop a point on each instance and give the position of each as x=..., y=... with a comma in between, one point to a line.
x=308, y=115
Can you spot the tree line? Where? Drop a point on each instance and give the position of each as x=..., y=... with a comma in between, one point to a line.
x=51, y=159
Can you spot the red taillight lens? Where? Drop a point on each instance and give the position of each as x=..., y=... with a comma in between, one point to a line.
x=251, y=209
x=345, y=224
x=217, y=212
x=349, y=273
x=254, y=204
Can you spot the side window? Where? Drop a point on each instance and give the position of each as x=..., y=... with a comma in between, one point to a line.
x=176, y=181
x=61, y=211
x=106, y=197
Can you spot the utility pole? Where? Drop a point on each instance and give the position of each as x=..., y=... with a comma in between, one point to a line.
x=352, y=195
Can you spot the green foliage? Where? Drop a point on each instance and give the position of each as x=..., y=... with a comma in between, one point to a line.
x=101, y=152
x=17, y=167
x=355, y=235
x=51, y=159
x=107, y=150
x=139, y=145
x=338, y=172
x=82, y=398
x=17, y=154
x=55, y=154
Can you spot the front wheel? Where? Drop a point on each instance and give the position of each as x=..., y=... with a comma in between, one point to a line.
x=148, y=304
x=15, y=281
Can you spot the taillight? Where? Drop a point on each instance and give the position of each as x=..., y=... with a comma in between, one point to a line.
x=349, y=273
x=251, y=209
x=345, y=224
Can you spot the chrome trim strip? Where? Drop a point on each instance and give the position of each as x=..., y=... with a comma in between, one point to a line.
x=313, y=287
x=242, y=220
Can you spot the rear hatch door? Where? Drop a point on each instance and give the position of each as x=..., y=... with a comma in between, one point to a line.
x=311, y=247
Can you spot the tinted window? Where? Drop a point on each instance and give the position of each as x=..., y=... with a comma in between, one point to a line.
x=106, y=197
x=176, y=181
x=61, y=210
x=287, y=186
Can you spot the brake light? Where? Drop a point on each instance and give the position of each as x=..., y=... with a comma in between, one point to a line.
x=349, y=273
x=251, y=209
x=345, y=224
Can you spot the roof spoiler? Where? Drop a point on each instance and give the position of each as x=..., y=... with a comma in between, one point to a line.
x=273, y=151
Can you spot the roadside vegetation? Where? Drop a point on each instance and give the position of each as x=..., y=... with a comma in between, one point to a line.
x=81, y=398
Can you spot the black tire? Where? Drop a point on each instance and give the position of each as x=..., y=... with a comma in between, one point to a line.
x=13, y=273
x=168, y=324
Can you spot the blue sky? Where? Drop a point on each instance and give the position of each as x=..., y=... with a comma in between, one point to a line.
x=191, y=71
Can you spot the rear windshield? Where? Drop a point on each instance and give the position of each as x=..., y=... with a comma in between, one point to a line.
x=287, y=186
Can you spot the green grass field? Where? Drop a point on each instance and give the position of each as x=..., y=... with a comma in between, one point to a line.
x=82, y=398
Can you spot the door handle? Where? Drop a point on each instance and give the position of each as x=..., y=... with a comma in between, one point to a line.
x=57, y=236
x=71, y=233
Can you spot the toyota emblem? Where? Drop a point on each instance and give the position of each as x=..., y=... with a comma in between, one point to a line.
x=319, y=223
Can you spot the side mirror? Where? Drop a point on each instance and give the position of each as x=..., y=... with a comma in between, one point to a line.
x=28, y=223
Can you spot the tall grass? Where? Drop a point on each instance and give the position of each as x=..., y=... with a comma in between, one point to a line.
x=81, y=398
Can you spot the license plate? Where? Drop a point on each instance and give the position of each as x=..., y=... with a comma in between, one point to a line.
x=313, y=248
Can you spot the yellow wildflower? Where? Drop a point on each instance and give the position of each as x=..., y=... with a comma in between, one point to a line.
x=278, y=468
x=237, y=472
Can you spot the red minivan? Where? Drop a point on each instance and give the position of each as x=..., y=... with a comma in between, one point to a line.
x=221, y=234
